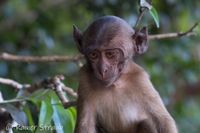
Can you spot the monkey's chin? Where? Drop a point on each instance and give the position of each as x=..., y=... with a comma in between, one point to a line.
x=107, y=82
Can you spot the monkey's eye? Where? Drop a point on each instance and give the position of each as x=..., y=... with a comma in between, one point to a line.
x=93, y=55
x=110, y=54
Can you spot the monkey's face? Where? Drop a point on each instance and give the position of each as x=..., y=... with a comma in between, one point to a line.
x=107, y=43
x=106, y=64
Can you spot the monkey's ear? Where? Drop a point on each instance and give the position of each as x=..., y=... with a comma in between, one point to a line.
x=140, y=40
x=77, y=34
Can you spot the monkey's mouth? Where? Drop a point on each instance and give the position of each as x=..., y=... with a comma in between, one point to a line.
x=103, y=77
x=106, y=80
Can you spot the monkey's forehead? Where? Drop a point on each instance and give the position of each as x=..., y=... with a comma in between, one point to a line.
x=109, y=20
x=109, y=25
x=107, y=34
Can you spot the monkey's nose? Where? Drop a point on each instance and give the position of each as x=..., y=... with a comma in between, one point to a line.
x=103, y=73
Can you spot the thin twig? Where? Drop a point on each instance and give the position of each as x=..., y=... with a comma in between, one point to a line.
x=55, y=58
x=16, y=100
x=58, y=87
x=70, y=104
x=11, y=83
x=70, y=91
x=189, y=32
x=142, y=11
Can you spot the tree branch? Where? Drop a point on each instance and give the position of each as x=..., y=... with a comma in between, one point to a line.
x=70, y=91
x=142, y=11
x=55, y=58
x=174, y=35
x=70, y=104
x=54, y=83
x=11, y=83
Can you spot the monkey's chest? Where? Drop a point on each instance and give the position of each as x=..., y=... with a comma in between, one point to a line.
x=118, y=115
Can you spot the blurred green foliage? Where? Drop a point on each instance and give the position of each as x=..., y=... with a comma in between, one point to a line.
x=44, y=27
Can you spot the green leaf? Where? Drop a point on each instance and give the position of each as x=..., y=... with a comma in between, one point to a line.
x=154, y=14
x=46, y=113
x=73, y=112
x=39, y=95
x=72, y=115
x=29, y=115
x=61, y=117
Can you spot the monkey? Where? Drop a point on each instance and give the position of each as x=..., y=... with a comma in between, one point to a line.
x=115, y=95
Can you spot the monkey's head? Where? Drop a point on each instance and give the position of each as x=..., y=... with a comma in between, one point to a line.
x=107, y=45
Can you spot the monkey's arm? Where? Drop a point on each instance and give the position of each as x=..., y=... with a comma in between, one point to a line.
x=163, y=120
x=158, y=118
x=85, y=118
x=165, y=123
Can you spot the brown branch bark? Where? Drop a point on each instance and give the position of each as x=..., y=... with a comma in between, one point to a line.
x=189, y=32
x=142, y=11
x=11, y=83
x=55, y=58
x=70, y=91
x=70, y=104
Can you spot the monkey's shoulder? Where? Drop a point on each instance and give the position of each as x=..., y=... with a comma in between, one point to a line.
x=136, y=74
x=136, y=78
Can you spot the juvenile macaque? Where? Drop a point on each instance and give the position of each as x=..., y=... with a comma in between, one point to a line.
x=115, y=95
